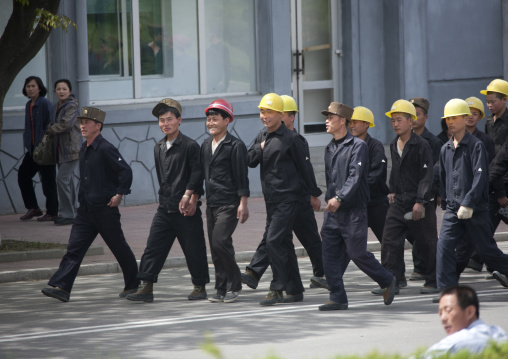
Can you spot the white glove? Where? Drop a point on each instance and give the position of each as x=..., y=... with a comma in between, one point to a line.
x=465, y=212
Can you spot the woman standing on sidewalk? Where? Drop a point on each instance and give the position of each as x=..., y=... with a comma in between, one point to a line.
x=37, y=119
x=68, y=143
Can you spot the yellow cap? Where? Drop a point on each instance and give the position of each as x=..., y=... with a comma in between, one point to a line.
x=402, y=106
x=289, y=103
x=497, y=85
x=476, y=103
x=363, y=114
x=456, y=107
x=272, y=101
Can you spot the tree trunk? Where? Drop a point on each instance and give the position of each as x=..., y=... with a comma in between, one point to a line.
x=19, y=44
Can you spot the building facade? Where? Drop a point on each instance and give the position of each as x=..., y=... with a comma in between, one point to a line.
x=128, y=54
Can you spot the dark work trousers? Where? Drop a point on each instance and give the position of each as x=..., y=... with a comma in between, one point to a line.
x=221, y=222
x=163, y=231
x=424, y=232
x=465, y=248
x=479, y=229
x=87, y=224
x=376, y=213
x=306, y=230
x=26, y=173
x=344, y=235
x=278, y=243
x=418, y=257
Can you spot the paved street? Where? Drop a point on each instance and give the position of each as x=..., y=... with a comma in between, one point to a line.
x=97, y=324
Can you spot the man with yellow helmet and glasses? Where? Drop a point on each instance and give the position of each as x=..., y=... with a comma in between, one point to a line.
x=285, y=169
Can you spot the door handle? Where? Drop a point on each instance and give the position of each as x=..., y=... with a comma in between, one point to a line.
x=297, y=55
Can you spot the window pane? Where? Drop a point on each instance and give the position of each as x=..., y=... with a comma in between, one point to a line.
x=316, y=37
x=230, y=56
x=169, y=47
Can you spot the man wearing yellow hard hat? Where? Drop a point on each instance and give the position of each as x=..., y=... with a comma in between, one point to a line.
x=285, y=171
x=410, y=186
x=464, y=185
x=305, y=225
x=464, y=248
x=496, y=126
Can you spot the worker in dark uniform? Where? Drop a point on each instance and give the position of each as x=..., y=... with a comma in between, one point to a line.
x=496, y=126
x=305, y=225
x=361, y=120
x=224, y=164
x=465, y=251
x=411, y=208
x=178, y=216
x=284, y=165
x=345, y=227
x=464, y=188
x=105, y=179
x=421, y=105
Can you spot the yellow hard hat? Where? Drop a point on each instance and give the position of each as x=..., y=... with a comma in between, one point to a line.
x=289, y=103
x=475, y=102
x=497, y=85
x=272, y=101
x=363, y=114
x=402, y=106
x=456, y=107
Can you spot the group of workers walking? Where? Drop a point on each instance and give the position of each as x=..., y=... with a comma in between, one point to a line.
x=425, y=173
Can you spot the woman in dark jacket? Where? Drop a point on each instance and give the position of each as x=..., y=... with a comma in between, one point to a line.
x=37, y=119
x=68, y=142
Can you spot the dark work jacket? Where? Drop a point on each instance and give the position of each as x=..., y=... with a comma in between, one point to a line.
x=41, y=114
x=225, y=171
x=435, y=145
x=103, y=172
x=496, y=190
x=305, y=197
x=178, y=169
x=411, y=174
x=284, y=165
x=346, y=170
x=376, y=177
x=499, y=165
x=463, y=173
x=498, y=131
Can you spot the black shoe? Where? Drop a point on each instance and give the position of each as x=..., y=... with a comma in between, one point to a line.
x=198, y=293
x=35, y=212
x=126, y=292
x=379, y=290
x=428, y=290
x=403, y=282
x=292, y=298
x=57, y=293
x=501, y=278
x=46, y=218
x=332, y=306
x=249, y=278
x=62, y=221
x=474, y=265
x=416, y=276
x=320, y=282
x=273, y=297
x=143, y=294
x=389, y=293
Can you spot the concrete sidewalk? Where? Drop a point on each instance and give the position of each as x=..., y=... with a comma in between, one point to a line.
x=136, y=223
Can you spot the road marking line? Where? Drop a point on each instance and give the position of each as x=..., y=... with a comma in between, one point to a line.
x=218, y=316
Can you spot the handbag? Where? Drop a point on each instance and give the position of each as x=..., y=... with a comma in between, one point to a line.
x=44, y=153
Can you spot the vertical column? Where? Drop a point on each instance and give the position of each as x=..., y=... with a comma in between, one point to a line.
x=82, y=53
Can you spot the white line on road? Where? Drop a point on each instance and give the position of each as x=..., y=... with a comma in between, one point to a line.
x=209, y=317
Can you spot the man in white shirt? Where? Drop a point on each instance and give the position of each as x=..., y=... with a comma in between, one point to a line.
x=459, y=311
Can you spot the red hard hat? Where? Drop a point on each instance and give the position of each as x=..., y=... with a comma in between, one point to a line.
x=222, y=105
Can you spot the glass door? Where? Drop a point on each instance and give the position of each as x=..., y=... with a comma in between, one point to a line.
x=315, y=39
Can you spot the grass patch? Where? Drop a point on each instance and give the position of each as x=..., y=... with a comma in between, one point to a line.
x=10, y=245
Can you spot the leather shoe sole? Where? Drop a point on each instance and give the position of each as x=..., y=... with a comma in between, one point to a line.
x=501, y=278
x=141, y=297
x=389, y=293
x=249, y=281
x=333, y=306
x=320, y=282
x=47, y=218
x=31, y=214
x=379, y=291
x=57, y=293
x=126, y=292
